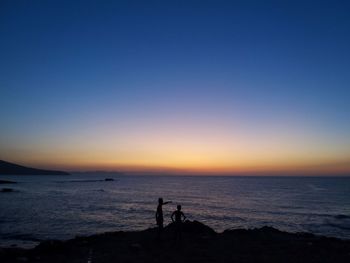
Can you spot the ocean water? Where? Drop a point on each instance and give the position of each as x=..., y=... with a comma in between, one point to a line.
x=62, y=207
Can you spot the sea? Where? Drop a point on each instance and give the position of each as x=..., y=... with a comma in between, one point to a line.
x=63, y=207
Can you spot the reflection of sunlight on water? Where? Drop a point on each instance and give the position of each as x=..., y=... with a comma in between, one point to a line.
x=316, y=188
x=50, y=209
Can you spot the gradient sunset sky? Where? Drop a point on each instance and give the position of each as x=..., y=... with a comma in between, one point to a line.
x=207, y=87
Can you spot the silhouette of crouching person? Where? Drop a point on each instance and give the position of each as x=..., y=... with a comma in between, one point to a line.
x=178, y=217
x=159, y=216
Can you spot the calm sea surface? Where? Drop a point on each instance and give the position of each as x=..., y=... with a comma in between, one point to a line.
x=61, y=207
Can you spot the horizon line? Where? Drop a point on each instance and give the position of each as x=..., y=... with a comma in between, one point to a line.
x=205, y=171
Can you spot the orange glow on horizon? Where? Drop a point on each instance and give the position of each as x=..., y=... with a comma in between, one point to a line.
x=246, y=168
x=186, y=149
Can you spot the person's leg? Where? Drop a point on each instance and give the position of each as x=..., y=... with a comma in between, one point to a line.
x=177, y=232
x=160, y=229
x=180, y=231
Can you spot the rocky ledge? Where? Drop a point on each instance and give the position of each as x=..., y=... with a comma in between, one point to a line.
x=199, y=243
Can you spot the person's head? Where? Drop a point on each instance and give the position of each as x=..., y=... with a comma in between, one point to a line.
x=179, y=207
x=160, y=200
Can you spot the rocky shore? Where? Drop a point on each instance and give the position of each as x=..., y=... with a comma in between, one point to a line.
x=199, y=243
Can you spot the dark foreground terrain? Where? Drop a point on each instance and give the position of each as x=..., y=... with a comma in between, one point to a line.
x=199, y=244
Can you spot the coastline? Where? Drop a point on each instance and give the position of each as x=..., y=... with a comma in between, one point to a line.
x=199, y=243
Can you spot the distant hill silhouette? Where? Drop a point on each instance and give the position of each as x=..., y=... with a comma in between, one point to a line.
x=7, y=168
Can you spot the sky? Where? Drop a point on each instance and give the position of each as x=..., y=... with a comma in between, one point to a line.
x=198, y=87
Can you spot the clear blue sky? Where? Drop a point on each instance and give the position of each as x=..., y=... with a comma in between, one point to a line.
x=79, y=76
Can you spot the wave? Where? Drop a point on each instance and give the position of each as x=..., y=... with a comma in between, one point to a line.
x=23, y=237
x=340, y=221
x=87, y=181
x=340, y=226
x=316, y=188
x=342, y=216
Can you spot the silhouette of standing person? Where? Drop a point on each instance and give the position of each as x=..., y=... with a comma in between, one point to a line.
x=159, y=215
x=179, y=219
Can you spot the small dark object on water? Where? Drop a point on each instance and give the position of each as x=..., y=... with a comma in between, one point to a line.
x=7, y=182
x=6, y=190
x=109, y=179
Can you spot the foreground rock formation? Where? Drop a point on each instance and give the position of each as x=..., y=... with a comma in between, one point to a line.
x=199, y=244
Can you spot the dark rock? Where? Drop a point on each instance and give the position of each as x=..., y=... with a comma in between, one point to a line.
x=196, y=227
x=193, y=227
x=7, y=182
x=135, y=247
x=7, y=190
x=49, y=247
x=199, y=243
x=109, y=179
x=22, y=259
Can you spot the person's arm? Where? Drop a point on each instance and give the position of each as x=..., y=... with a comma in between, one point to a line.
x=167, y=202
x=184, y=217
x=172, y=217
